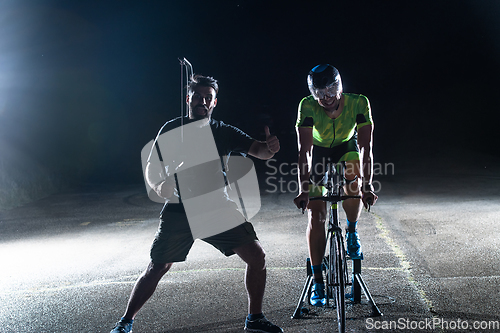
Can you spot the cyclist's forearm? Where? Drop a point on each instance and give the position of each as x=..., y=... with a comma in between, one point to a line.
x=304, y=183
x=303, y=174
x=305, y=146
x=367, y=171
x=365, y=141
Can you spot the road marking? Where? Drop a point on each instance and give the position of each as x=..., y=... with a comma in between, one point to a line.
x=405, y=265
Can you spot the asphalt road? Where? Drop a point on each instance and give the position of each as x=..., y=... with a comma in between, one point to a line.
x=431, y=248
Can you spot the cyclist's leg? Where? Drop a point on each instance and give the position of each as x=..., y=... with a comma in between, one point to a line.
x=316, y=237
x=352, y=174
x=352, y=207
x=348, y=153
x=317, y=212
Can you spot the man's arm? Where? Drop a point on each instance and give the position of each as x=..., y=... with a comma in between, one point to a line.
x=264, y=150
x=305, y=145
x=365, y=143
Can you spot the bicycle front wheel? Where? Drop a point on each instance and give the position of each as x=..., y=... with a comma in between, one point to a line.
x=339, y=279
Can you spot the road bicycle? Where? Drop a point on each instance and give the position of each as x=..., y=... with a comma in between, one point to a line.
x=338, y=279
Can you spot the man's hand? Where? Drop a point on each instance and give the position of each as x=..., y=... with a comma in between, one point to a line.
x=272, y=142
x=301, y=201
x=166, y=188
x=265, y=150
x=369, y=199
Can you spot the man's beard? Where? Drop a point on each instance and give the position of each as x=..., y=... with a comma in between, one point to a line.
x=200, y=112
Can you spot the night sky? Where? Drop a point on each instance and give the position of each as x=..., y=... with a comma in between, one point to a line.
x=84, y=85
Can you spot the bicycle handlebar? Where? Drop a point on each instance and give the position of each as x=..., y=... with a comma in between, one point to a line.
x=330, y=198
x=336, y=198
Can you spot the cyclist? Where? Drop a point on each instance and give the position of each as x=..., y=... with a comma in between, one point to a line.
x=332, y=127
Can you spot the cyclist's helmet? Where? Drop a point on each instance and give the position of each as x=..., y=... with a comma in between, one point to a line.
x=324, y=81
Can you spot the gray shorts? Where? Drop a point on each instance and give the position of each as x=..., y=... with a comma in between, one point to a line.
x=174, y=239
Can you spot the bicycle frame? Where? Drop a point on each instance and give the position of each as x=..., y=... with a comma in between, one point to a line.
x=337, y=279
x=335, y=261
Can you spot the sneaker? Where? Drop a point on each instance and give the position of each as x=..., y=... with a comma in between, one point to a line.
x=353, y=245
x=261, y=325
x=318, y=297
x=122, y=327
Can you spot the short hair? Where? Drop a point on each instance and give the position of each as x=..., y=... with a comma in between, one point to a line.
x=204, y=81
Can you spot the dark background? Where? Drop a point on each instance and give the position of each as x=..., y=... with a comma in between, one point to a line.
x=84, y=85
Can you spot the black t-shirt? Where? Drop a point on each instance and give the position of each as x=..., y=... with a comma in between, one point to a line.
x=228, y=139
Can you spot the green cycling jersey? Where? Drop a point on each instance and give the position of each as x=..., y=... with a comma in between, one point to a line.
x=329, y=132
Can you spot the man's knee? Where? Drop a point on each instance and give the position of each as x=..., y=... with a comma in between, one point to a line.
x=352, y=186
x=352, y=177
x=259, y=261
x=253, y=255
x=317, y=212
x=157, y=269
